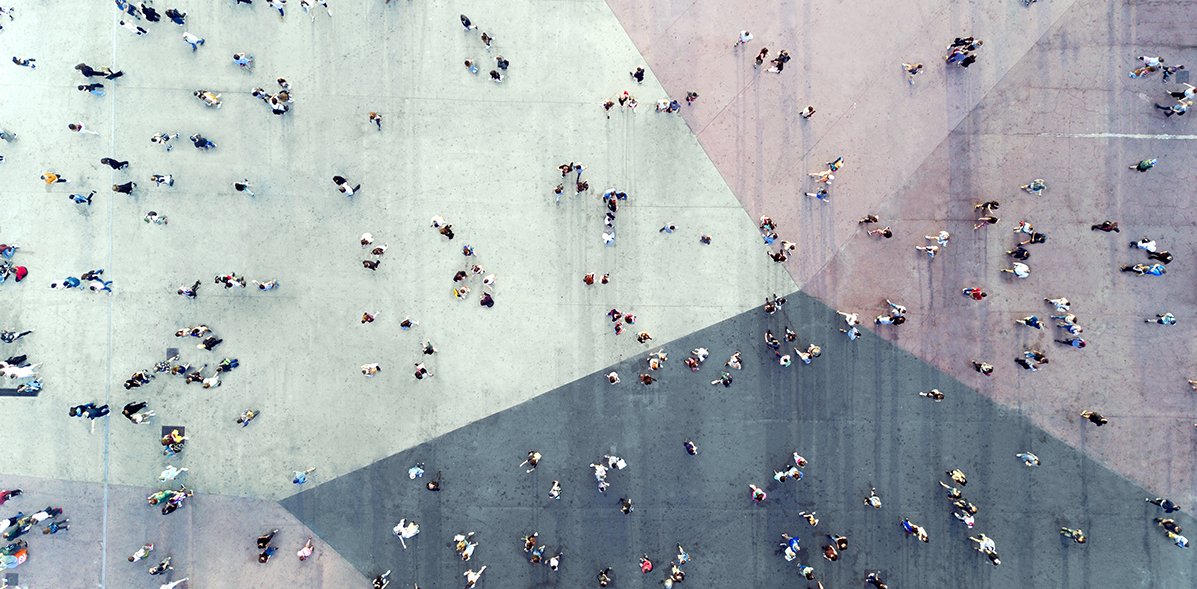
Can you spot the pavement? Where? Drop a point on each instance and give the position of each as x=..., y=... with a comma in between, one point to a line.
x=484, y=156
x=1048, y=98
x=854, y=413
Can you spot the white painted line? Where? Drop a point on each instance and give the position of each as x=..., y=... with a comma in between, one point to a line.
x=1119, y=136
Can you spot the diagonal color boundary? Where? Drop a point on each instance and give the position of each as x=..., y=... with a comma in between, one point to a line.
x=854, y=414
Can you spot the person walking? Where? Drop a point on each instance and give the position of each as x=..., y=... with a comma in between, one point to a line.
x=202, y=143
x=113, y=163
x=1077, y=535
x=344, y=187
x=80, y=128
x=243, y=186
x=300, y=477
x=1145, y=165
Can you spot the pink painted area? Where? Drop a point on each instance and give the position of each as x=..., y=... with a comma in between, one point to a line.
x=919, y=155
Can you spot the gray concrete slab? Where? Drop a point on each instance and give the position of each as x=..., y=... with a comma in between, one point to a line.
x=854, y=414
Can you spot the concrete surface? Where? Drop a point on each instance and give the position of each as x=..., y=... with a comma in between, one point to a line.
x=854, y=414
x=484, y=156
x=481, y=155
x=1049, y=97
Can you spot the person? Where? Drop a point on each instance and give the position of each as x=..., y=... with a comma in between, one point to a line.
x=435, y=483
x=874, y=579
x=301, y=477
x=264, y=539
x=1167, y=505
x=161, y=567
x=1145, y=165
x=9, y=337
x=1168, y=524
x=1028, y=459
x=208, y=97
x=873, y=500
x=744, y=39
x=244, y=60
x=376, y=119
x=472, y=576
x=133, y=413
x=1162, y=319
x=381, y=581
x=1018, y=269
x=1146, y=270
x=189, y=292
x=89, y=410
x=170, y=473
x=779, y=63
x=1179, y=540
x=160, y=179
x=532, y=461
x=1077, y=535
x=915, y=530
x=52, y=178
x=1095, y=418
x=1036, y=186
x=201, y=142
x=132, y=28
x=142, y=552
x=243, y=186
x=343, y=186
x=7, y=494
x=1179, y=108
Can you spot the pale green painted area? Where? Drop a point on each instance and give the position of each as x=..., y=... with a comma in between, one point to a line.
x=480, y=154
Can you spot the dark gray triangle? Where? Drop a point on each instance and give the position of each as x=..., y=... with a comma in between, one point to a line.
x=854, y=413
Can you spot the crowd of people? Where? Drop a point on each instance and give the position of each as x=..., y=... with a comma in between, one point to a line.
x=473, y=276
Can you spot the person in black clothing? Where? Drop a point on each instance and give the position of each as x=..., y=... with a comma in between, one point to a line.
x=1166, y=504
x=132, y=408
x=149, y=12
x=1161, y=256
x=91, y=72
x=201, y=142
x=115, y=164
x=1019, y=253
